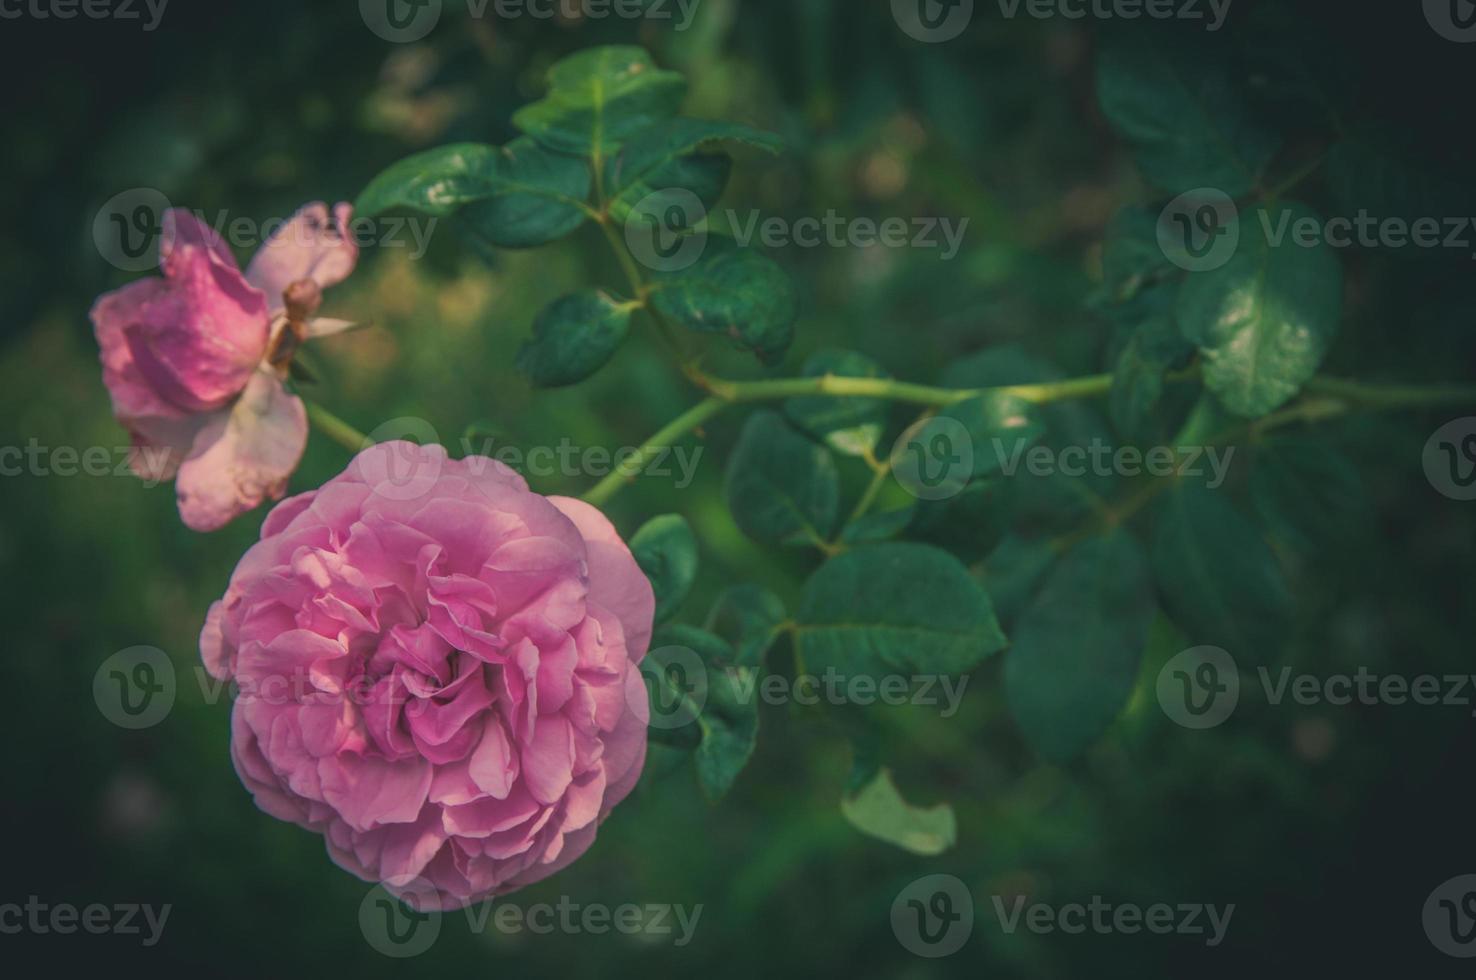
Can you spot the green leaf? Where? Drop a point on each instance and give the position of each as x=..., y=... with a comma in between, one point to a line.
x=879, y=525
x=573, y=338
x=850, y=426
x=1001, y=427
x=1014, y=571
x=728, y=722
x=599, y=98
x=1178, y=105
x=1308, y=494
x=674, y=154
x=677, y=679
x=1077, y=648
x=896, y=607
x=713, y=650
x=781, y=486
x=735, y=292
x=1216, y=575
x=879, y=810
x=435, y=182
x=666, y=550
x=539, y=197
x=727, y=745
x=1131, y=255
x=1264, y=320
x=516, y=196
x=1062, y=424
x=1138, y=376
x=752, y=617
x=970, y=523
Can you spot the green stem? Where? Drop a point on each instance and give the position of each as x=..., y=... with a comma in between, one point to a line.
x=902, y=391
x=1369, y=395
x=1327, y=398
x=336, y=428
x=679, y=426
x=1336, y=397
x=627, y=264
x=640, y=289
x=868, y=497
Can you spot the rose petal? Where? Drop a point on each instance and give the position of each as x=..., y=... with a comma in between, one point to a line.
x=243, y=455
x=312, y=245
x=616, y=582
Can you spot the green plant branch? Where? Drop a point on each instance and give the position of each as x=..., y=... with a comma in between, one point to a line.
x=627, y=264
x=901, y=391
x=1336, y=397
x=879, y=472
x=641, y=289
x=336, y=428
x=1369, y=395
x=691, y=419
x=1328, y=398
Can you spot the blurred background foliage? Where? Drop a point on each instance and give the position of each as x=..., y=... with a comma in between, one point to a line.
x=1326, y=827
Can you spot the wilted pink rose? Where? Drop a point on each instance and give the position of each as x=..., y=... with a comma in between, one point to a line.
x=437, y=671
x=195, y=361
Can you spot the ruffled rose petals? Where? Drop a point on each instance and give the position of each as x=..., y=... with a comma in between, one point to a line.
x=445, y=684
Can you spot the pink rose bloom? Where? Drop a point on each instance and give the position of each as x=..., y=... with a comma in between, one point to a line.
x=194, y=362
x=437, y=672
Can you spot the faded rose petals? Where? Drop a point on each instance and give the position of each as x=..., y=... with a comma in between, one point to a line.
x=313, y=244
x=187, y=360
x=242, y=455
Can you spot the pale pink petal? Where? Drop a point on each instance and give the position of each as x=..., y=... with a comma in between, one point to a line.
x=243, y=456
x=616, y=582
x=312, y=245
